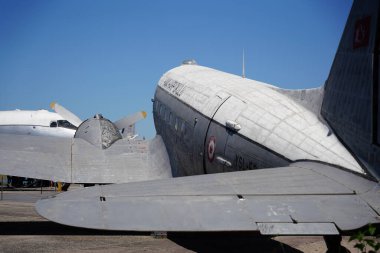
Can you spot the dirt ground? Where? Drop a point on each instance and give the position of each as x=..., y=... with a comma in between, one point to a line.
x=23, y=230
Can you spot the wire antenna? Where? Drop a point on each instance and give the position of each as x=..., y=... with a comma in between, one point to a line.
x=243, y=72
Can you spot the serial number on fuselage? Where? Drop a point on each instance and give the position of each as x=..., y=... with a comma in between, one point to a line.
x=242, y=163
x=174, y=87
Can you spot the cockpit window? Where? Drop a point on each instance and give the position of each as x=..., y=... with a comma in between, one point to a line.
x=53, y=124
x=65, y=124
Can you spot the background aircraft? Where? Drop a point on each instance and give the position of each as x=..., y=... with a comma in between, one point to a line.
x=61, y=123
x=295, y=167
x=41, y=122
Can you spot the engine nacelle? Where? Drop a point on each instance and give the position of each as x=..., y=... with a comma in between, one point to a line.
x=98, y=131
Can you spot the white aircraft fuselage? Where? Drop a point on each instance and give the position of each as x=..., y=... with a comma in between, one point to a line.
x=212, y=122
x=39, y=123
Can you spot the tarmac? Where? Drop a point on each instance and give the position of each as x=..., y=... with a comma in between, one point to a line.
x=23, y=230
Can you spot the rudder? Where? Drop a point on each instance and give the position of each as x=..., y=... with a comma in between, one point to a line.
x=351, y=97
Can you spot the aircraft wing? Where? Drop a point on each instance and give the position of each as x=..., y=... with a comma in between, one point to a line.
x=304, y=198
x=75, y=160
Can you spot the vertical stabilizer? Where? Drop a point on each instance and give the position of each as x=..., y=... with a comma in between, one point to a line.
x=351, y=99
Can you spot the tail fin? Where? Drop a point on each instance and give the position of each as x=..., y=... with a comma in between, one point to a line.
x=351, y=98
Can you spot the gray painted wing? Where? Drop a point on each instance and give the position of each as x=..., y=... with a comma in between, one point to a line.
x=42, y=157
x=304, y=198
x=77, y=161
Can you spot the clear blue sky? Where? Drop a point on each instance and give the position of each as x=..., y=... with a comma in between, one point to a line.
x=107, y=56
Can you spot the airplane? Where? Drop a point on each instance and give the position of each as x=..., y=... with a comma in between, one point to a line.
x=230, y=154
x=40, y=123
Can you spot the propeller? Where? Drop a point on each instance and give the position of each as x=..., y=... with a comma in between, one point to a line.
x=66, y=114
x=130, y=120
x=123, y=123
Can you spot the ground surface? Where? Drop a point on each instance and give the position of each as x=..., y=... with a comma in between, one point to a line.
x=22, y=230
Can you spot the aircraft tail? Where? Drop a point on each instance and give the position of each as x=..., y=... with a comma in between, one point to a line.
x=351, y=97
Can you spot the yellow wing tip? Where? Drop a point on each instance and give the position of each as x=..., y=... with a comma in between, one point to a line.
x=144, y=114
x=52, y=105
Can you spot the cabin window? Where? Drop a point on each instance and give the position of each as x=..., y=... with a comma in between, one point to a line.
x=162, y=111
x=187, y=135
x=176, y=124
x=158, y=106
x=167, y=116
x=183, y=128
x=66, y=124
x=171, y=119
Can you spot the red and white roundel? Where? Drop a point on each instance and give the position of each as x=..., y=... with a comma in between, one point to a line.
x=211, y=148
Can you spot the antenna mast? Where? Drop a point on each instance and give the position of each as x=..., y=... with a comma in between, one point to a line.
x=243, y=72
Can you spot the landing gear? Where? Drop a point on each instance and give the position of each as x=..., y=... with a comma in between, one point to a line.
x=65, y=187
x=333, y=244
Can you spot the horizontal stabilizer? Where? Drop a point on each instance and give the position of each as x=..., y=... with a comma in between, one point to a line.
x=305, y=198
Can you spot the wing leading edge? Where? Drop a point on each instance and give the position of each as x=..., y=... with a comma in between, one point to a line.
x=304, y=198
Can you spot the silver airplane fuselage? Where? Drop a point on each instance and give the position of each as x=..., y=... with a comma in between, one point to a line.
x=214, y=122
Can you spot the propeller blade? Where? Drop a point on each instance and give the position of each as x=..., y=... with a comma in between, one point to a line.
x=130, y=120
x=66, y=114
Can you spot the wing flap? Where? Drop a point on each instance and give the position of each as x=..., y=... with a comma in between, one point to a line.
x=297, y=229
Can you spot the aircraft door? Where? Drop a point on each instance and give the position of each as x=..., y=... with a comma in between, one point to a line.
x=222, y=126
x=201, y=126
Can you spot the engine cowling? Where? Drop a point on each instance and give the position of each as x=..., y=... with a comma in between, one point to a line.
x=98, y=131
